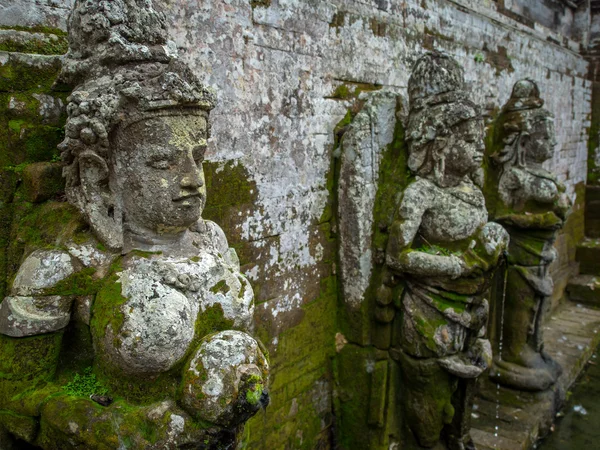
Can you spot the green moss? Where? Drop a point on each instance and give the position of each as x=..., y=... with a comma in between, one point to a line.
x=15, y=125
x=143, y=254
x=26, y=366
x=351, y=90
x=85, y=385
x=230, y=190
x=15, y=77
x=22, y=427
x=254, y=393
x=221, y=287
x=36, y=29
x=80, y=283
x=59, y=46
x=48, y=225
x=300, y=367
x=211, y=320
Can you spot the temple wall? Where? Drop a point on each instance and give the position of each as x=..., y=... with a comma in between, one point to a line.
x=287, y=72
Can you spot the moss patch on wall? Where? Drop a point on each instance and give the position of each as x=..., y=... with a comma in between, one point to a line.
x=230, y=190
x=27, y=137
x=299, y=415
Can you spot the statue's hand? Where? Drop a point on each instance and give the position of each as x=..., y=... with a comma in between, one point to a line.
x=562, y=206
x=495, y=238
x=471, y=363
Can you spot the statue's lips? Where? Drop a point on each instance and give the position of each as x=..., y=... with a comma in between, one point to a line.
x=191, y=197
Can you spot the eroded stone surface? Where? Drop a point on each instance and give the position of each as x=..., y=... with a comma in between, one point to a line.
x=361, y=150
x=42, y=270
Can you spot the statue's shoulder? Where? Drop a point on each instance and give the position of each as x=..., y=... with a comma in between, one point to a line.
x=420, y=193
x=210, y=236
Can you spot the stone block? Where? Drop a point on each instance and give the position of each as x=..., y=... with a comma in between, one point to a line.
x=588, y=256
x=585, y=289
x=592, y=211
x=42, y=181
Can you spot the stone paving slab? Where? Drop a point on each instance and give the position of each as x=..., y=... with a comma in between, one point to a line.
x=507, y=419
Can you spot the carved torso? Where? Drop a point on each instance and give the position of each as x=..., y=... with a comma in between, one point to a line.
x=520, y=185
x=454, y=213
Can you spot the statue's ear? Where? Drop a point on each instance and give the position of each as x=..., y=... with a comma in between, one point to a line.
x=93, y=173
x=522, y=144
x=439, y=158
x=99, y=200
x=439, y=146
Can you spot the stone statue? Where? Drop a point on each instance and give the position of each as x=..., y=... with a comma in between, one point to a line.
x=444, y=249
x=532, y=205
x=161, y=332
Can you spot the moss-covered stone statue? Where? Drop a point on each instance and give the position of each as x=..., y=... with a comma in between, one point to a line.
x=444, y=249
x=532, y=205
x=131, y=333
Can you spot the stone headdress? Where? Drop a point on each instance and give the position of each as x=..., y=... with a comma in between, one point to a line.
x=523, y=110
x=124, y=68
x=438, y=102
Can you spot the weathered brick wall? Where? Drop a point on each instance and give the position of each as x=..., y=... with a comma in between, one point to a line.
x=283, y=70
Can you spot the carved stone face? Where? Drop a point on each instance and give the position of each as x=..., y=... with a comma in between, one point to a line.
x=542, y=140
x=158, y=172
x=464, y=148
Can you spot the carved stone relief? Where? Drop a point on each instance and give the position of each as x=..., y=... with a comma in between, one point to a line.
x=164, y=318
x=532, y=205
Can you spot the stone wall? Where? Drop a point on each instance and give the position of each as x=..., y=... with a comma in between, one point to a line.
x=287, y=73
x=35, y=13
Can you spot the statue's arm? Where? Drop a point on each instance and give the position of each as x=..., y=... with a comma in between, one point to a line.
x=400, y=257
x=30, y=309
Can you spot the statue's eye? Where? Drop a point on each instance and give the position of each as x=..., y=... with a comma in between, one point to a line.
x=199, y=151
x=160, y=164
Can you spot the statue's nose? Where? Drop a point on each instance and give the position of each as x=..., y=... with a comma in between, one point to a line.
x=192, y=177
x=191, y=181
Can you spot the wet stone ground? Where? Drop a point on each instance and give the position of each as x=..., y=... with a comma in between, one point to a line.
x=579, y=428
x=506, y=419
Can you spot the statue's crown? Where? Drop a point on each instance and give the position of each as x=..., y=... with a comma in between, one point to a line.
x=436, y=77
x=525, y=95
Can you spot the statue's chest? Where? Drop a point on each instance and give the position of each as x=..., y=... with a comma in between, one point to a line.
x=452, y=218
x=162, y=302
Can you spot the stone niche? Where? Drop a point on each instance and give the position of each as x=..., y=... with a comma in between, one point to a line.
x=125, y=320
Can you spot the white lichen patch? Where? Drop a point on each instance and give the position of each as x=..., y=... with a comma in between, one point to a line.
x=89, y=255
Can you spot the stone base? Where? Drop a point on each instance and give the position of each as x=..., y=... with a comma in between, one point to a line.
x=571, y=336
